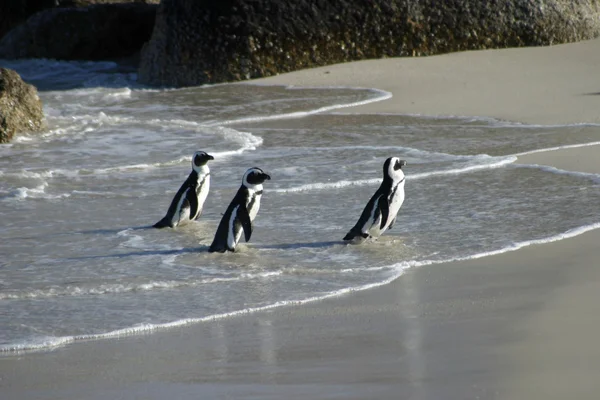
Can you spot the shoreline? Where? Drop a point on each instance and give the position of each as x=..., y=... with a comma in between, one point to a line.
x=521, y=324
x=552, y=85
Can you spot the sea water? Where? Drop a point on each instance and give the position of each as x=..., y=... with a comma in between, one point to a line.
x=79, y=261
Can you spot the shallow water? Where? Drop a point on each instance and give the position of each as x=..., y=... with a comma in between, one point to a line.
x=79, y=260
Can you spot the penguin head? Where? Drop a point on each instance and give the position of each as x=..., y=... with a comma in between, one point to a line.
x=392, y=169
x=254, y=176
x=199, y=159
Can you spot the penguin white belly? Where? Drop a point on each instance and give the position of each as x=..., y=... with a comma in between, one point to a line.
x=253, y=203
x=235, y=230
x=202, y=193
x=395, y=204
x=254, y=206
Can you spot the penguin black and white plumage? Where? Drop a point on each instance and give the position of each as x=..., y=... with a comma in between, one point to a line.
x=380, y=212
x=241, y=212
x=188, y=202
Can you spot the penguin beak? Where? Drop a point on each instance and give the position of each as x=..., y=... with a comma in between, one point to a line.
x=210, y=157
x=267, y=177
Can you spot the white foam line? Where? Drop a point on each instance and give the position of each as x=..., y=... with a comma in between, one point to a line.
x=147, y=328
x=509, y=124
x=409, y=151
x=398, y=268
x=102, y=117
x=127, y=168
x=553, y=170
x=123, y=288
x=38, y=192
x=384, y=95
x=125, y=92
x=375, y=181
x=516, y=246
x=247, y=140
x=331, y=185
x=497, y=123
x=472, y=168
x=568, y=146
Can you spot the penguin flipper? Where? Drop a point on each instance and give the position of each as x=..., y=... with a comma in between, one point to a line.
x=244, y=218
x=192, y=201
x=364, y=221
x=219, y=243
x=384, y=207
x=167, y=221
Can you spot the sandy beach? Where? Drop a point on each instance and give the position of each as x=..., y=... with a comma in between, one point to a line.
x=519, y=325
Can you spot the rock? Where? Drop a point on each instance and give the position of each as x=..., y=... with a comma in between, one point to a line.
x=205, y=41
x=96, y=32
x=20, y=106
x=14, y=12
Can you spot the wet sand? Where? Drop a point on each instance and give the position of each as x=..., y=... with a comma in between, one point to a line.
x=520, y=325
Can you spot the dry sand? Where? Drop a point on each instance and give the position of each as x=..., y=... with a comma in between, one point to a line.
x=520, y=325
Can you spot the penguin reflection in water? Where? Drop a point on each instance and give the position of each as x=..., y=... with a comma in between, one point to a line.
x=380, y=212
x=188, y=202
x=241, y=212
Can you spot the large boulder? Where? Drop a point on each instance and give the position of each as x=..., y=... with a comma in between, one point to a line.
x=20, y=106
x=206, y=41
x=95, y=32
x=13, y=12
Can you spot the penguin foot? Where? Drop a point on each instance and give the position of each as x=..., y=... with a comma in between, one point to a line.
x=163, y=223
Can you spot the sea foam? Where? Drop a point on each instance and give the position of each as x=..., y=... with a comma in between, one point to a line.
x=395, y=271
x=490, y=163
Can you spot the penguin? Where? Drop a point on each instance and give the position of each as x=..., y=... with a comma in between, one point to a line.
x=241, y=212
x=380, y=212
x=189, y=200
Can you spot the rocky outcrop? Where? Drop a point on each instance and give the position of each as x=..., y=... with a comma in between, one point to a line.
x=13, y=12
x=20, y=106
x=96, y=32
x=205, y=41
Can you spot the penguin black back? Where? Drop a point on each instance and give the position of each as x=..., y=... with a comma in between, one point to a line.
x=240, y=213
x=189, y=200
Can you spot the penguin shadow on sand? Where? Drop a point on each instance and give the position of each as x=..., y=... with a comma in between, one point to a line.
x=300, y=245
x=139, y=253
x=152, y=245
x=99, y=231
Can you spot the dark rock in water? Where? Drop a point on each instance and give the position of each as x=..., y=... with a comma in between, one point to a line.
x=97, y=32
x=20, y=106
x=205, y=41
x=13, y=12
